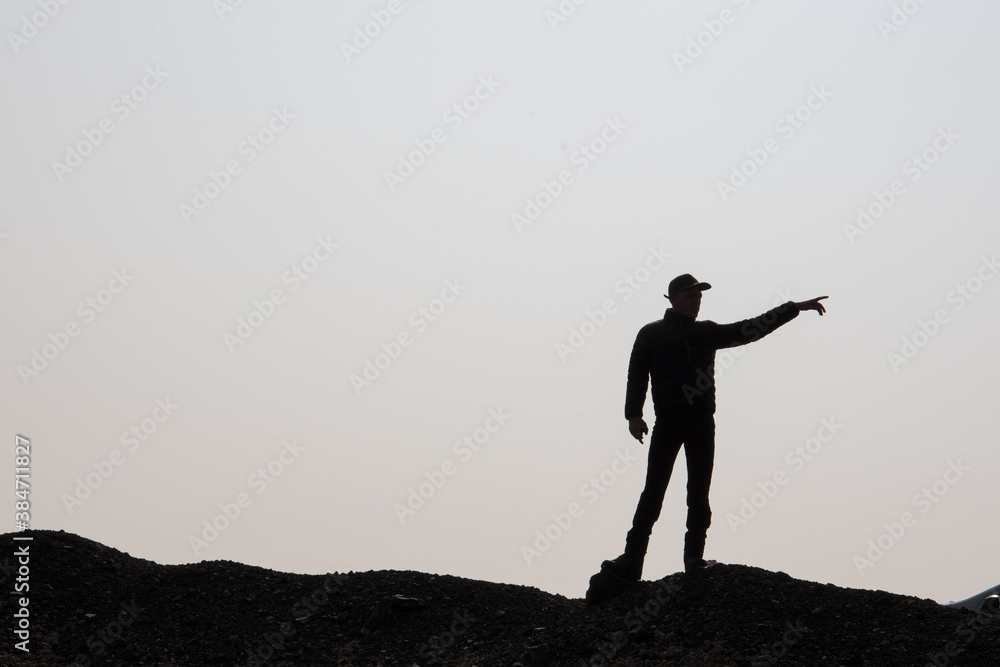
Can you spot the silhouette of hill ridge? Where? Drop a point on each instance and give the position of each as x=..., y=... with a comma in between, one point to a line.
x=96, y=605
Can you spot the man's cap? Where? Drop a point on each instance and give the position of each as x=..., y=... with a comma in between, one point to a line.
x=684, y=282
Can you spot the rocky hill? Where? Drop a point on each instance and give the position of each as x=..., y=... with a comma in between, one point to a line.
x=90, y=604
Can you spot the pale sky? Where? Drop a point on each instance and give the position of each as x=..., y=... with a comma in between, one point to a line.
x=404, y=270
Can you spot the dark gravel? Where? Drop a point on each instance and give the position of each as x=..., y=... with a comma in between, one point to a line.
x=94, y=605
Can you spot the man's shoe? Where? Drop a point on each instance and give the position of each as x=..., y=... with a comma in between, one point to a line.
x=625, y=566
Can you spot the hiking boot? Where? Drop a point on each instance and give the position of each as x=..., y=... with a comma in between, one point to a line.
x=627, y=566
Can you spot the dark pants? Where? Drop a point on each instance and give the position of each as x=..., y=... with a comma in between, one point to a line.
x=694, y=427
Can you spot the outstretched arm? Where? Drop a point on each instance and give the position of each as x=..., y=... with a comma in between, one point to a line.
x=748, y=331
x=812, y=304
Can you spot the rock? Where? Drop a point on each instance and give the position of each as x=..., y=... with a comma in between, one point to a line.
x=604, y=585
x=380, y=615
x=404, y=603
x=382, y=612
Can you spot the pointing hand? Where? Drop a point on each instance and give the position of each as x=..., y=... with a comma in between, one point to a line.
x=812, y=304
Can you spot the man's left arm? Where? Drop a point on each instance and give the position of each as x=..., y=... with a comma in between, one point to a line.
x=748, y=331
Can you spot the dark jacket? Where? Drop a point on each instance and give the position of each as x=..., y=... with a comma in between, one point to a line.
x=678, y=354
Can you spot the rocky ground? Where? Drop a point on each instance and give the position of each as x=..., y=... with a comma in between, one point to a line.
x=94, y=605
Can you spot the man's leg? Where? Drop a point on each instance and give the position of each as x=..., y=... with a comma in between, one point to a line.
x=664, y=444
x=699, y=450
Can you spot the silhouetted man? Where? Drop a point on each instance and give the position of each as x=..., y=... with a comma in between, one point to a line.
x=678, y=354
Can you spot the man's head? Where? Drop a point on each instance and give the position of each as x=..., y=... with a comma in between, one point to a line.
x=684, y=293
